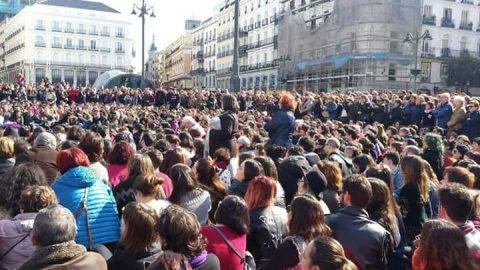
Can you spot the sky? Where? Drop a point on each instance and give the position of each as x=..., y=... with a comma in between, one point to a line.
x=167, y=26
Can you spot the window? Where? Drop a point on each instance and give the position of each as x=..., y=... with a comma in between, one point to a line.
x=56, y=57
x=265, y=57
x=120, y=32
x=93, y=44
x=68, y=58
x=56, y=26
x=69, y=27
x=81, y=59
x=81, y=43
x=93, y=29
x=447, y=13
x=40, y=25
x=426, y=71
x=427, y=11
x=56, y=41
x=104, y=60
x=464, y=17
x=39, y=40
x=119, y=47
x=69, y=43
x=119, y=61
x=93, y=59
x=463, y=44
x=81, y=28
x=39, y=56
x=104, y=30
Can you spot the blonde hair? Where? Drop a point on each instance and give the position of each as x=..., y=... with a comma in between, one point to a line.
x=35, y=198
x=6, y=147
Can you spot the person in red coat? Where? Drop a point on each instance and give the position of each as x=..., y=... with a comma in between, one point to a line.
x=73, y=95
x=233, y=221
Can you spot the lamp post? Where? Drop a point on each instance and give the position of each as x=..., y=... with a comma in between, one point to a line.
x=144, y=10
x=415, y=40
x=235, y=78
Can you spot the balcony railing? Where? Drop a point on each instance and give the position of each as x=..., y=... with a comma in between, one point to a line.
x=264, y=22
x=81, y=31
x=448, y=22
x=40, y=44
x=56, y=45
x=430, y=20
x=56, y=29
x=40, y=27
x=103, y=49
x=119, y=50
x=68, y=30
x=224, y=71
x=92, y=48
x=68, y=47
x=257, y=25
x=120, y=35
x=466, y=26
x=93, y=32
x=428, y=52
x=82, y=47
x=261, y=43
x=250, y=27
x=446, y=53
x=105, y=34
x=470, y=2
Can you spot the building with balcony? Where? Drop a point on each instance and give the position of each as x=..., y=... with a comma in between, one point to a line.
x=178, y=59
x=64, y=40
x=345, y=44
x=155, y=64
x=225, y=24
x=204, y=54
x=259, y=44
x=455, y=29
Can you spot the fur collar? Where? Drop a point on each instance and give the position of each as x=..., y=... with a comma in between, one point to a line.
x=46, y=256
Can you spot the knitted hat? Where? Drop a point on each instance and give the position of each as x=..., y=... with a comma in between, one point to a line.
x=316, y=181
x=46, y=139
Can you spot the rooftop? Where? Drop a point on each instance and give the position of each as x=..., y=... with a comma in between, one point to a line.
x=80, y=5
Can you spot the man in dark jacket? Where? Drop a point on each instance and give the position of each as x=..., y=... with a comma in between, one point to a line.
x=225, y=137
x=396, y=112
x=332, y=149
x=292, y=170
x=365, y=241
x=444, y=111
x=281, y=128
x=471, y=121
x=43, y=154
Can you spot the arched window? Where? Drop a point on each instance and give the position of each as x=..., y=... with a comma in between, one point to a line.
x=463, y=44
x=81, y=59
x=104, y=60
x=56, y=57
x=40, y=56
x=446, y=46
x=68, y=58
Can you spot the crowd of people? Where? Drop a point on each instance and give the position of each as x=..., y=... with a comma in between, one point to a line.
x=127, y=179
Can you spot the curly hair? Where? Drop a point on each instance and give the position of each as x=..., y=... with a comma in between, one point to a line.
x=287, y=101
x=433, y=142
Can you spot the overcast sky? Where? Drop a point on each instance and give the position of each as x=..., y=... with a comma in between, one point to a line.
x=167, y=26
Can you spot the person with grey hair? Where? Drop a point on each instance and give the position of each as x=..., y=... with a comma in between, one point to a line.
x=189, y=123
x=444, y=111
x=43, y=154
x=53, y=236
x=454, y=125
x=410, y=150
x=332, y=149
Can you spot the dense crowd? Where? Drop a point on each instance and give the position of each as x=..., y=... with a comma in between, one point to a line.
x=165, y=179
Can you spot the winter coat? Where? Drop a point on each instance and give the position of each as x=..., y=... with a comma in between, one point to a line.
x=428, y=119
x=224, y=137
x=395, y=115
x=435, y=159
x=416, y=116
x=281, y=128
x=470, y=124
x=102, y=209
x=45, y=157
x=12, y=232
x=454, y=124
x=290, y=172
x=268, y=226
x=443, y=113
x=123, y=260
x=6, y=164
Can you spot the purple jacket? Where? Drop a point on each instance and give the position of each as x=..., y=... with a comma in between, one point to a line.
x=11, y=232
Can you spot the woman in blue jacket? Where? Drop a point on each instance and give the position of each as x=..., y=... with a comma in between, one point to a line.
x=282, y=125
x=78, y=182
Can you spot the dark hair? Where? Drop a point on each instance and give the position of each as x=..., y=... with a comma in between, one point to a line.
x=252, y=169
x=139, y=233
x=156, y=157
x=183, y=181
x=162, y=145
x=20, y=146
x=172, y=157
x=295, y=150
x=276, y=152
x=168, y=260
x=148, y=185
x=359, y=189
x=327, y=253
x=269, y=168
x=393, y=156
x=229, y=103
x=363, y=161
x=443, y=246
x=380, y=172
x=13, y=183
x=75, y=134
x=307, y=218
x=121, y=153
x=233, y=213
x=457, y=201
x=475, y=169
x=148, y=138
x=207, y=175
x=186, y=140
x=307, y=144
x=244, y=156
x=92, y=145
x=179, y=231
x=352, y=133
x=222, y=154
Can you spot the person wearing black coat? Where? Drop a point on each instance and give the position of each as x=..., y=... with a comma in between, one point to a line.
x=396, y=112
x=427, y=118
x=364, y=110
x=471, y=121
x=225, y=137
x=291, y=171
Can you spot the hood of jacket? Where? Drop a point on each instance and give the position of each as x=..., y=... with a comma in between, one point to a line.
x=296, y=165
x=78, y=177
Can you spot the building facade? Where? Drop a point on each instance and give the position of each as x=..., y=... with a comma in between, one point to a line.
x=455, y=29
x=204, y=55
x=68, y=40
x=225, y=22
x=259, y=44
x=178, y=59
x=154, y=65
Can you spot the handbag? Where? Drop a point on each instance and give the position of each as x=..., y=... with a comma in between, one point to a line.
x=247, y=260
x=83, y=207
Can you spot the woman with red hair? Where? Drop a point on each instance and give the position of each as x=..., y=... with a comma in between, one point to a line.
x=89, y=199
x=282, y=125
x=268, y=223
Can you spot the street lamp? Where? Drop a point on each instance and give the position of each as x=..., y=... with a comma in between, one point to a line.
x=144, y=10
x=235, y=78
x=415, y=40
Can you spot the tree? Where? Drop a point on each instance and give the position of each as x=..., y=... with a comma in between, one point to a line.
x=463, y=70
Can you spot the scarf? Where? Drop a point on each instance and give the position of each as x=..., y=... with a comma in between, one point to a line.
x=46, y=256
x=198, y=260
